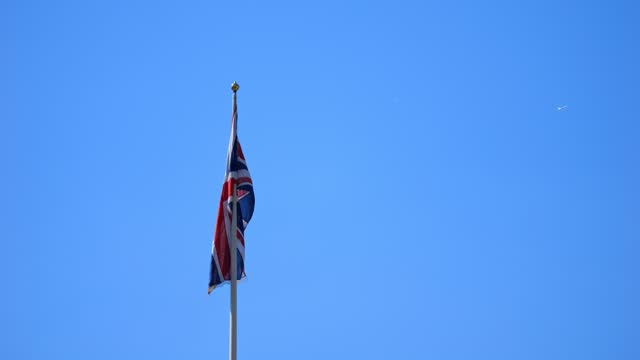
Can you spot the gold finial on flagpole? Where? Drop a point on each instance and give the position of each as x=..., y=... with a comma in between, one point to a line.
x=235, y=87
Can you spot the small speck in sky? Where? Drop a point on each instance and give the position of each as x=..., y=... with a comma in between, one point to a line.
x=562, y=108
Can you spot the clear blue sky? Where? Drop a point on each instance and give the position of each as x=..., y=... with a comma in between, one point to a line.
x=418, y=193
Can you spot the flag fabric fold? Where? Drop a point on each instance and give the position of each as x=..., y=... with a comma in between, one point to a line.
x=237, y=174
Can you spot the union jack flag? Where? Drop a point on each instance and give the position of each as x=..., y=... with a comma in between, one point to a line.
x=236, y=174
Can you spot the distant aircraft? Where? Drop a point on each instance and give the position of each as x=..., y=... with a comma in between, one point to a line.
x=561, y=108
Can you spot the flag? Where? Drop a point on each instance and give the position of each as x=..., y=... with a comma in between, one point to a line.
x=236, y=174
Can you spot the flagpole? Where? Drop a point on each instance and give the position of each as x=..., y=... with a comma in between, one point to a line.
x=233, y=320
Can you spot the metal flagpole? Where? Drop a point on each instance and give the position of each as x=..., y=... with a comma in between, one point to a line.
x=233, y=321
x=233, y=324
